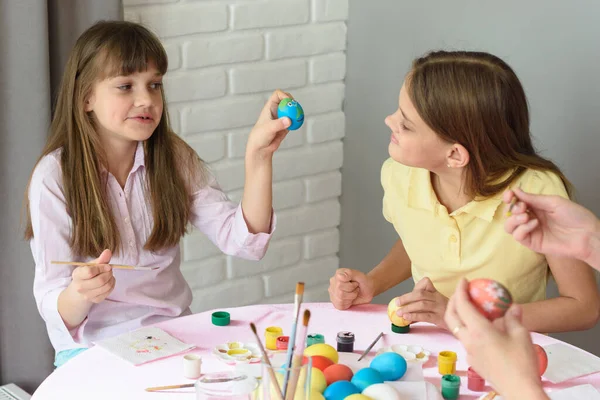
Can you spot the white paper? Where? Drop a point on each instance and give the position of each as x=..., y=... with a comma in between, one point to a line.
x=566, y=362
x=144, y=345
x=410, y=390
x=587, y=392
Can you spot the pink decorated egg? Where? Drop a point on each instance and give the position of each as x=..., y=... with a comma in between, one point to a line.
x=491, y=298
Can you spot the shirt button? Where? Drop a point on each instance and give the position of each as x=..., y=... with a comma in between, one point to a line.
x=126, y=220
x=131, y=243
x=453, y=239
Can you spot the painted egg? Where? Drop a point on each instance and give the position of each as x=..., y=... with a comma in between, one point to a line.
x=391, y=366
x=396, y=319
x=293, y=110
x=322, y=349
x=340, y=390
x=337, y=372
x=320, y=362
x=382, y=391
x=366, y=377
x=542, y=358
x=490, y=297
x=318, y=383
x=314, y=396
x=358, y=397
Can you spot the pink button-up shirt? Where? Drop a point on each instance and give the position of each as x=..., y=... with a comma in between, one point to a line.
x=139, y=297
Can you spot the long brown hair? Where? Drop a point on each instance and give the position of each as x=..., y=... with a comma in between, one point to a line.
x=475, y=99
x=107, y=49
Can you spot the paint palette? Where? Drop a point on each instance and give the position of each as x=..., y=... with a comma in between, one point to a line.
x=238, y=353
x=411, y=353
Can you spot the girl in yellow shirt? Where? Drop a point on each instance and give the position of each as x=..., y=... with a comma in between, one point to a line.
x=460, y=137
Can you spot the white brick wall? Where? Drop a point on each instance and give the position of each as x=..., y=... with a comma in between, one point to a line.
x=225, y=58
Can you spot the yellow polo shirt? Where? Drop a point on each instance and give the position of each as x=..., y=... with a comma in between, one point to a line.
x=470, y=242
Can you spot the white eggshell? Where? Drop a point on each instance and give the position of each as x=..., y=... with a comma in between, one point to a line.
x=382, y=391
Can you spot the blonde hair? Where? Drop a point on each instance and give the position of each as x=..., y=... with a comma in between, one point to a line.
x=476, y=99
x=108, y=49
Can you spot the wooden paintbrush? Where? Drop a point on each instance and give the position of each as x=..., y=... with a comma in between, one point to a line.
x=115, y=266
x=268, y=363
x=297, y=360
x=292, y=342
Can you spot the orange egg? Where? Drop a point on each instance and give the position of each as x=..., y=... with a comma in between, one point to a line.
x=490, y=297
x=542, y=358
x=320, y=362
x=337, y=372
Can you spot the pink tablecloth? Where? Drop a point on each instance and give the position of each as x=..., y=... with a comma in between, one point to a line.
x=97, y=374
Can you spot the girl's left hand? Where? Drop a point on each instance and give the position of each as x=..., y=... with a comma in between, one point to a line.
x=269, y=131
x=423, y=304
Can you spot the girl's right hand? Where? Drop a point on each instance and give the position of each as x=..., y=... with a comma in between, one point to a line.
x=94, y=284
x=349, y=287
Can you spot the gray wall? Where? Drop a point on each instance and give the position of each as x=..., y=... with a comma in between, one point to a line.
x=34, y=34
x=554, y=49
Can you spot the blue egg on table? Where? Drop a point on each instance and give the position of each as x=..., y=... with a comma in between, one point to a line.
x=366, y=377
x=391, y=366
x=340, y=390
x=293, y=110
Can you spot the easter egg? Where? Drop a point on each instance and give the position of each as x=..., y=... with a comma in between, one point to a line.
x=320, y=362
x=337, y=372
x=318, y=383
x=396, y=319
x=391, y=366
x=366, y=377
x=340, y=390
x=293, y=110
x=489, y=297
x=322, y=349
x=382, y=391
x=315, y=396
x=542, y=358
x=358, y=397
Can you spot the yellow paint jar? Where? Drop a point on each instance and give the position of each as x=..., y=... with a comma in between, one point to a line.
x=447, y=362
x=271, y=335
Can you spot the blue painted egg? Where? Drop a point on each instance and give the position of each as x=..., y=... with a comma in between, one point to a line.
x=391, y=366
x=366, y=377
x=340, y=390
x=293, y=110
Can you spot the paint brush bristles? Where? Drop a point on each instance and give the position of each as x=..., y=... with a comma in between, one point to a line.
x=512, y=203
x=292, y=341
x=297, y=360
x=274, y=382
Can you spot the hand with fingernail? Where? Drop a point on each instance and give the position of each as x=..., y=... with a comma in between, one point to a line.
x=423, y=304
x=500, y=351
x=349, y=287
x=554, y=225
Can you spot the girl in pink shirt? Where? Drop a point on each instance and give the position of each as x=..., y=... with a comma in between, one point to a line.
x=116, y=184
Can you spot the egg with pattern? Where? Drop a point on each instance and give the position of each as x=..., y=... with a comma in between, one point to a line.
x=491, y=298
x=293, y=110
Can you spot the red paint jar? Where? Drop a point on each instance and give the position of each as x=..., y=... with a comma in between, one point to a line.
x=475, y=382
x=282, y=342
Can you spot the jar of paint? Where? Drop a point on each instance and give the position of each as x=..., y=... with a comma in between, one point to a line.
x=345, y=342
x=450, y=386
x=282, y=342
x=474, y=381
x=314, y=338
x=447, y=362
x=271, y=335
